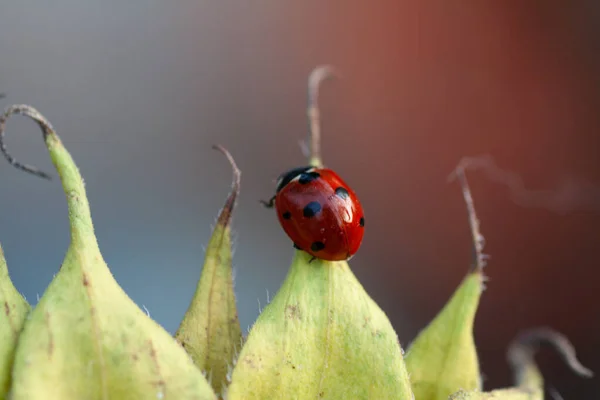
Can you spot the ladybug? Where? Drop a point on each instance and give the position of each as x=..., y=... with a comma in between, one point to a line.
x=319, y=212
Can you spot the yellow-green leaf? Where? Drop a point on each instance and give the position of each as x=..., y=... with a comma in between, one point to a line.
x=529, y=383
x=443, y=359
x=210, y=331
x=12, y=317
x=321, y=337
x=86, y=339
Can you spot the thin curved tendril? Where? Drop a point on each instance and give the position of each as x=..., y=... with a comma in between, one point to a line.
x=235, y=185
x=522, y=350
x=571, y=193
x=478, y=239
x=318, y=75
x=555, y=394
x=43, y=123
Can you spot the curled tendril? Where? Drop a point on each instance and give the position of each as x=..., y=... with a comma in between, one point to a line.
x=43, y=123
x=318, y=75
x=225, y=215
x=479, y=259
x=523, y=348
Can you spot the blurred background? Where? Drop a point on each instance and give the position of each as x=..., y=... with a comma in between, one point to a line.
x=140, y=90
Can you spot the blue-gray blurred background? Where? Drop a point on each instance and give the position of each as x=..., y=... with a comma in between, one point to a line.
x=140, y=90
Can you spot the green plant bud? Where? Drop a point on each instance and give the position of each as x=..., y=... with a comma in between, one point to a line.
x=12, y=317
x=443, y=359
x=321, y=337
x=529, y=383
x=210, y=331
x=86, y=339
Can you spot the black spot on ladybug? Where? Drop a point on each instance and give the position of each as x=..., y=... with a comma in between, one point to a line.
x=311, y=209
x=287, y=215
x=287, y=176
x=317, y=246
x=297, y=247
x=362, y=221
x=308, y=177
x=342, y=192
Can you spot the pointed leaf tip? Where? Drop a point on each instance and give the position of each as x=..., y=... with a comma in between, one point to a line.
x=210, y=331
x=226, y=212
x=13, y=312
x=443, y=357
x=86, y=339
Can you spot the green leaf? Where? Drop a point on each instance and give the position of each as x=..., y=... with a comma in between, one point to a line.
x=86, y=339
x=210, y=331
x=321, y=337
x=529, y=383
x=12, y=317
x=443, y=358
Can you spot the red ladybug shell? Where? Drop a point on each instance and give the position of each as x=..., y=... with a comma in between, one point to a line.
x=320, y=213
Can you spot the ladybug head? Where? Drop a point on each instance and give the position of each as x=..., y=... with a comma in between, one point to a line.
x=289, y=175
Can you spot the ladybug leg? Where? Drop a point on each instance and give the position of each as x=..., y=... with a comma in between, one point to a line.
x=297, y=247
x=312, y=259
x=270, y=203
